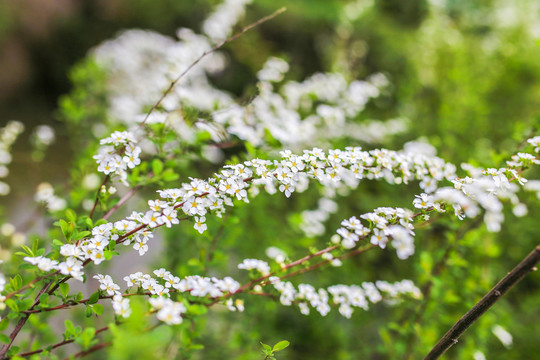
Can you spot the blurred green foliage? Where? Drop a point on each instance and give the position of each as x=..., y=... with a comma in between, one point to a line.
x=470, y=86
x=467, y=82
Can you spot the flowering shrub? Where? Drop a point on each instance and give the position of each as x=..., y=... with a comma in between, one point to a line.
x=161, y=133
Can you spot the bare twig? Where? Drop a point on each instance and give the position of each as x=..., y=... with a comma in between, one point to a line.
x=30, y=284
x=122, y=201
x=216, y=238
x=97, y=195
x=91, y=350
x=322, y=263
x=61, y=343
x=208, y=52
x=75, y=303
x=21, y=322
x=512, y=278
x=427, y=289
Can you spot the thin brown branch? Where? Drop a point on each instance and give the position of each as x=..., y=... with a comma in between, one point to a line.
x=512, y=278
x=122, y=201
x=427, y=289
x=91, y=350
x=97, y=195
x=75, y=303
x=322, y=263
x=208, y=52
x=21, y=322
x=216, y=238
x=61, y=343
x=30, y=284
x=244, y=288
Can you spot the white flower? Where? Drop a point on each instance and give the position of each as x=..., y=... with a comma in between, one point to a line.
x=168, y=217
x=141, y=246
x=171, y=313
x=121, y=306
x=107, y=284
x=72, y=267
x=254, y=264
x=423, y=201
x=504, y=336
x=200, y=226
x=277, y=254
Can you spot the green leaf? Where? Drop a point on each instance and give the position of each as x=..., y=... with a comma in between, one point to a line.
x=250, y=149
x=157, y=166
x=4, y=324
x=25, y=266
x=79, y=296
x=266, y=347
x=64, y=226
x=44, y=300
x=28, y=250
x=35, y=245
x=70, y=329
x=197, y=309
x=12, y=305
x=81, y=235
x=203, y=136
x=12, y=351
x=64, y=289
x=70, y=215
x=281, y=345
x=101, y=222
x=25, y=304
x=16, y=282
x=170, y=175
x=86, y=337
x=97, y=309
x=93, y=298
x=57, y=242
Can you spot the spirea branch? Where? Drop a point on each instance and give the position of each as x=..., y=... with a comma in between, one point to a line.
x=451, y=337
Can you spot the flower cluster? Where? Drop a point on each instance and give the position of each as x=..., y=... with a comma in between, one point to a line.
x=168, y=311
x=276, y=254
x=484, y=189
x=45, y=195
x=219, y=24
x=141, y=65
x=385, y=224
x=8, y=135
x=278, y=111
x=119, y=303
x=254, y=264
x=159, y=289
x=42, y=137
x=195, y=285
x=71, y=266
x=344, y=296
x=118, y=152
x=313, y=220
x=2, y=286
x=290, y=174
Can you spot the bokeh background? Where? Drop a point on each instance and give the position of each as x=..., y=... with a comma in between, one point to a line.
x=465, y=73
